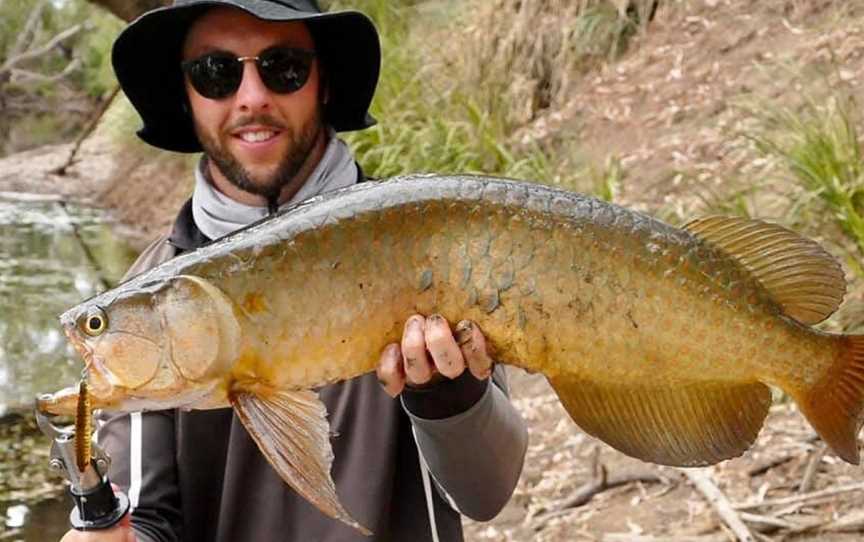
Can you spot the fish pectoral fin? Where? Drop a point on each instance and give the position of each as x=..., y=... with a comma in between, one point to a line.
x=690, y=426
x=291, y=430
x=801, y=276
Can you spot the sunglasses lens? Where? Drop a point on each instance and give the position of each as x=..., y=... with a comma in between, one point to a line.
x=215, y=76
x=285, y=70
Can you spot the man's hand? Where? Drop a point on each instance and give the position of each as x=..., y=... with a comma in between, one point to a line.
x=122, y=532
x=430, y=351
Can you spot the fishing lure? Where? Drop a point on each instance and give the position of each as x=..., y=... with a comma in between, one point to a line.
x=83, y=428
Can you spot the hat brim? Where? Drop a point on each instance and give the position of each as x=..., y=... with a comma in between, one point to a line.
x=147, y=54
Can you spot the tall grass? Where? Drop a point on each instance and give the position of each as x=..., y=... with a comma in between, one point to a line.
x=427, y=123
x=820, y=146
x=455, y=89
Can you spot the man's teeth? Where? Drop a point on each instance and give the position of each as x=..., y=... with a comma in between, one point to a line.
x=255, y=137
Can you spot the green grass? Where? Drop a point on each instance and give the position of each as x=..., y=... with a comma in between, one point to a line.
x=819, y=146
x=427, y=122
x=454, y=91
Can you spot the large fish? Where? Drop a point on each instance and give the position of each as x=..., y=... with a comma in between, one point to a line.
x=660, y=341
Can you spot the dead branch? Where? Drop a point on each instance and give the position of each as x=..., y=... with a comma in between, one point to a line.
x=602, y=482
x=29, y=29
x=91, y=125
x=587, y=492
x=806, y=497
x=761, y=468
x=627, y=537
x=703, y=482
x=853, y=523
x=21, y=77
x=22, y=197
x=13, y=61
x=812, y=468
x=767, y=524
x=26, y=106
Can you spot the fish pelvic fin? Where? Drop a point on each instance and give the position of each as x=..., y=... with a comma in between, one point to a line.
x=835, y=406
x=291, y=430
x=801, y=277
x=688, y=426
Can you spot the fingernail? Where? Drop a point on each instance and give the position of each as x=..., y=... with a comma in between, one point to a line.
x=386, y=388
x=464, y=332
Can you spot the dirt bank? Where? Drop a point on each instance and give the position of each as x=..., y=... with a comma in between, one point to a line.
x=141, y=187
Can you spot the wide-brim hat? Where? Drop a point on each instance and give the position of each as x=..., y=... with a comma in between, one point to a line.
x=147, y=56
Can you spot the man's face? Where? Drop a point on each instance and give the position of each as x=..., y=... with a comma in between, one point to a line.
x=258, y=140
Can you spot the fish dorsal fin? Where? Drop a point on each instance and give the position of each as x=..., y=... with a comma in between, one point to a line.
x=800, y=275
x=684, y=426
x=291, y=430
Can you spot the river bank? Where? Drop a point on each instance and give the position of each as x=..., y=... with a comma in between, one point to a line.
x=139, y=187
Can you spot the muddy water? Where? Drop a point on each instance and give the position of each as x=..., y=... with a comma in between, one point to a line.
x=51, y=257
x=44, y=269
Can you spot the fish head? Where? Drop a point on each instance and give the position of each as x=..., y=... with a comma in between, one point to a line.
x=164, y=346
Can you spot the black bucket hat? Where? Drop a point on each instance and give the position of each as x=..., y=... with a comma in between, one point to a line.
x=147, y=55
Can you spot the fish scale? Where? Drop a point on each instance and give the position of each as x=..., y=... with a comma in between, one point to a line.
x=660, y=341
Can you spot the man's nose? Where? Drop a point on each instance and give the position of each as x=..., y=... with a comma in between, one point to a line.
x=253, y=95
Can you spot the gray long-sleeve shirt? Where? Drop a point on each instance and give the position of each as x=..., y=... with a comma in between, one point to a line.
x=198, y=476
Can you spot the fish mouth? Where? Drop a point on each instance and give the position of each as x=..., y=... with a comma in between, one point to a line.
x=78, y=343
x=95, y=372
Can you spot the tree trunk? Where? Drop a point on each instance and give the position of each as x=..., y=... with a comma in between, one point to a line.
x=129, y=9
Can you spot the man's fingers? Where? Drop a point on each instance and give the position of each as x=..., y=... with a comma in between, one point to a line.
x=418, y=370
x=473, y=346
x=390, y=372
x=443, y=348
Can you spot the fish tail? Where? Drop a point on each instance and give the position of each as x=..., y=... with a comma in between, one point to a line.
x=834, y=406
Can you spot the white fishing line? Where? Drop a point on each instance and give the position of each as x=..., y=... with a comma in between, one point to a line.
x=134, y=459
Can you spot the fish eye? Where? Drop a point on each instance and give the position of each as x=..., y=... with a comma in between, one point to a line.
x=95, y=323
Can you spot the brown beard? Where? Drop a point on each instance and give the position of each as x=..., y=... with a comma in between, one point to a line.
x=299, y=148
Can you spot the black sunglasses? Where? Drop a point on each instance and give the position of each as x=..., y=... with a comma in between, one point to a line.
x=216, y=76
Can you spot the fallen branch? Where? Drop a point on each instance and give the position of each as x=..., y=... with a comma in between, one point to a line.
x=761, y=468
x=627, y=537
x=587, y=492
x=25, y=197
x=591, y=489
x=767, y=524
x=853, y=523
x=814, y=495
x=91, y=125
x=703, y=482
x=811, y=469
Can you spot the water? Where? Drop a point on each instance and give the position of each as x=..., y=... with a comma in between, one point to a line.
x=44, y=269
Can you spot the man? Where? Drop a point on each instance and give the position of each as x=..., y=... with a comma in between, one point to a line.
x=262, y=87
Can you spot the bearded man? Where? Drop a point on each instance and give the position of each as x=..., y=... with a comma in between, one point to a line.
x=262, y=87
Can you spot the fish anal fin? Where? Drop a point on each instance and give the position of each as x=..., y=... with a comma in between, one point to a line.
x=805, y=280
x=835, y=406
x=696, y=425
x=291, y=430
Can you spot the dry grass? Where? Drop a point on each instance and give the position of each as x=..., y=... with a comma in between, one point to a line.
x=524, y=57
